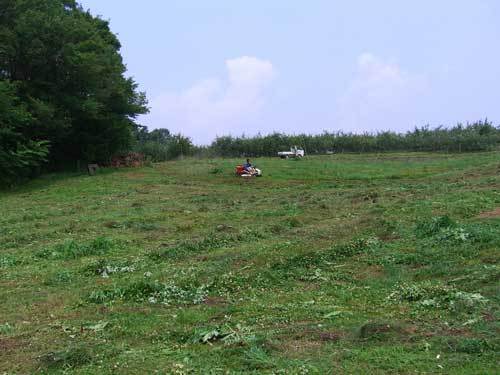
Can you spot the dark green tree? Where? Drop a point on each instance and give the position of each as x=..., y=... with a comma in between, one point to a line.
x=66, y=67
x=19, y=157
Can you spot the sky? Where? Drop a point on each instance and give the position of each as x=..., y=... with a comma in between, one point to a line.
x=227, y=67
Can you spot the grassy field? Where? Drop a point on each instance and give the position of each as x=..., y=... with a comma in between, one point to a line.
x=335, y=264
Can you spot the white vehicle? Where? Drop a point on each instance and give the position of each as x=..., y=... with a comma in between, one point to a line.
x=293, y=153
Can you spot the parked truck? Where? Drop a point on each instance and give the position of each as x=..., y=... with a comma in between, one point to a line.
x=294, y=152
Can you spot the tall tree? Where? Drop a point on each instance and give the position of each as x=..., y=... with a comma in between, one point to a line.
x=19, y=157
x=68, y=73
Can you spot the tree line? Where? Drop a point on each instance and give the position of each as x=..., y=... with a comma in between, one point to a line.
x=63, y=92
x=161, y=145
x=478, y=136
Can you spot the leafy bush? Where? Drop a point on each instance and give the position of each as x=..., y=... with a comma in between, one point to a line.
x=165, y=147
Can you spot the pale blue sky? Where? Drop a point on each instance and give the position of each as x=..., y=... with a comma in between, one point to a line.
x=216, y=67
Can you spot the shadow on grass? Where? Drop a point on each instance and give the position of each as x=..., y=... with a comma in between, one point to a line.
x=47, y=180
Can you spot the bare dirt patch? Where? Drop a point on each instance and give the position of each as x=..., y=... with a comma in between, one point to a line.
x=466, y=332
x=135, y=175
x=10, y=344
x=298, y=348
x=490, y=214
x=215, y=301
x=371, y=272
x=331, y=336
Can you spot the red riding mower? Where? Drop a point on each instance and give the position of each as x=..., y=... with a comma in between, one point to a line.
x=253, y=172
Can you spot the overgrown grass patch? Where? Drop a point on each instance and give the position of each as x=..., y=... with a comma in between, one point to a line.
x=438, y=296
x=226, y=334
x=211, y=242
x=70, y=358
x=8, y=261
x=152, y=292
x=73, y=250
x=325, y=257
x=104, y=267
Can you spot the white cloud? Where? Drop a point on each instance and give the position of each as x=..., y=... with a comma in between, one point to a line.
x=214, y=106
x=381, y=96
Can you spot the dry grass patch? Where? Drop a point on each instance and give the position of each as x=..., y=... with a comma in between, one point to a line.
x=490, y=214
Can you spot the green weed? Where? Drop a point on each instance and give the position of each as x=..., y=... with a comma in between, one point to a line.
x=473, y=345
x=212, y=242
x=435, y=295
x=61, y=277
x=8, y=261
x=6, y=328
x=228, y=335
x=69, y=358
x=324, y=257
x=105, y=268
x=151, y=292
x=434, y=226
x=73, y=250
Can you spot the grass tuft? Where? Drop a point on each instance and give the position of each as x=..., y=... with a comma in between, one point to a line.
x=70, y=358
x=151, y=292
x=73, y=250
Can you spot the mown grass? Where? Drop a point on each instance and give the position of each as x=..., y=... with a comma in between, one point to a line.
x=333, y=264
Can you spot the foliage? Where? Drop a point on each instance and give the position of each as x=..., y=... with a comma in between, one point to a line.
x=160, y=145
x=20, y=157
x=479, y=136
x=66, y=84
x=237, y=335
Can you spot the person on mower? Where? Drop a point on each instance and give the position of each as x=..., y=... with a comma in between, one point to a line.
x=248, y=167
